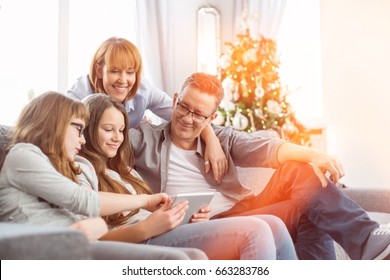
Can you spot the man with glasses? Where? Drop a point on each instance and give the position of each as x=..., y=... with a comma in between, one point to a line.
x=170, y=158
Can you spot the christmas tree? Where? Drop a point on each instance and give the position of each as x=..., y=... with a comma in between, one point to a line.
x=255, y=98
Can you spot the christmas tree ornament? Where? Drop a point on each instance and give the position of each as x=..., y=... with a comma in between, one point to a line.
x=228, y=121
x=250, y=114
x=259, y=92
x=236, y=96
x=289, y=130
x=259, y=113
x=240, y=122
x=220, y=119
x=274, y=107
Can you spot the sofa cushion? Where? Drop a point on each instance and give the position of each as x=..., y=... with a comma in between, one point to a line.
x=379, y=217
x=34, y=242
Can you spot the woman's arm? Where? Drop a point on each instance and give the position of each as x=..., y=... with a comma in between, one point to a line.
x=214, y=154
x=80, y=89
x=159, y=102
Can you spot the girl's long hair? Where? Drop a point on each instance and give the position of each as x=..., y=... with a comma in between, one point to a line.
x=43, y=122
x=117, y=52
x=122, y=162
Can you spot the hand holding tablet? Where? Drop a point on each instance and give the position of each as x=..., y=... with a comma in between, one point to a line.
x=196, y=201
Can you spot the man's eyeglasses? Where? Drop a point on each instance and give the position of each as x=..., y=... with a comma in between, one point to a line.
x=184, y=111
x=80, y=127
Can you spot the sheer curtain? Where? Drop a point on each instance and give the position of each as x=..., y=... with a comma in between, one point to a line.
x=155, y=37
x=264, y=16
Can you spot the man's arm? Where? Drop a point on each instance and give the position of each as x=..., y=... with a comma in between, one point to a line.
x=322, y=162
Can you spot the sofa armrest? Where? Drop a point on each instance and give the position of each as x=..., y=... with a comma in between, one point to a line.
x=371, y=199
x=36, y=242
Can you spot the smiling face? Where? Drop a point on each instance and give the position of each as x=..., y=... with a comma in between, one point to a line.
x=110, y=131
x=184, y=130
x=117, y=82
x=74, y=138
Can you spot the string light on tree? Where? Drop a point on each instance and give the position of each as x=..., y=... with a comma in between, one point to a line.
x=254, y=98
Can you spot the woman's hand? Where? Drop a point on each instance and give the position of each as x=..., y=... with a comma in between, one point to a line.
x=202, y=215
x=165, y=218
x=93, y=228
x=155, y=201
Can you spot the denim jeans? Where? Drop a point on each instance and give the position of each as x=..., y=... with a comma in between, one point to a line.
x=262, y=237
x=314, y=216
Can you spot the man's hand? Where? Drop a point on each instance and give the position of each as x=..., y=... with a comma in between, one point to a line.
x=323, y=163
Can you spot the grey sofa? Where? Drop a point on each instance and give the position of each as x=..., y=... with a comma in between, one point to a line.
x=39, y=242
x=42, y=242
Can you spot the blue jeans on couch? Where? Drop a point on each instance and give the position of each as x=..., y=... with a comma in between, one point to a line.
x=313, y=215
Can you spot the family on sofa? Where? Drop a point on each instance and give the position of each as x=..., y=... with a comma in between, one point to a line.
x=41, y=167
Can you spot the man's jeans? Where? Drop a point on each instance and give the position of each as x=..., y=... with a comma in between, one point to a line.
x=313, y=215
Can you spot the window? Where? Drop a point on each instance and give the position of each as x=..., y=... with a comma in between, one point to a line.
x=208, y=39
x=92, y=22
x=28, y=53
x=51, y=43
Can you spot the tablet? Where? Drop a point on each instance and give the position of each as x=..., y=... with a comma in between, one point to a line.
x=196, y=201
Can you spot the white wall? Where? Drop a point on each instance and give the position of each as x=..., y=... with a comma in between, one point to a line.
x=356, y=59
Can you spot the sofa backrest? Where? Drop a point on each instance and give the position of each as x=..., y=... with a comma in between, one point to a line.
x=4, y=132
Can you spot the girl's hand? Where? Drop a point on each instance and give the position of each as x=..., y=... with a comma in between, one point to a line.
x=165, y=218
x=93, y=228
x=202, y=215
x=155, y=201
